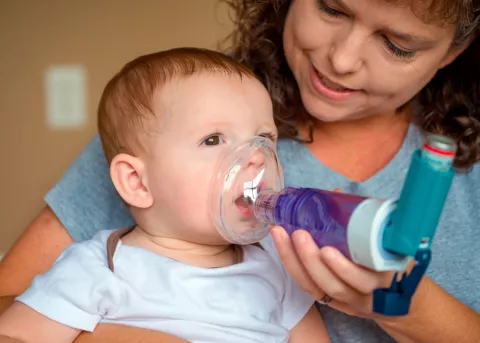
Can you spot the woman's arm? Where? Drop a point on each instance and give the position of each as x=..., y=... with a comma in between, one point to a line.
x=435, y=316
x=34, y=252
x=84, y=200
x=5, y=302
x=27, y=325
x=5, y=339
x=106, y=333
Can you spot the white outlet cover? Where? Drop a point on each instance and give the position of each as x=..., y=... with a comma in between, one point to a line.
x=66, y=101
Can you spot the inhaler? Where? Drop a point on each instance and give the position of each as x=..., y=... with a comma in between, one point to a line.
x=248, y=196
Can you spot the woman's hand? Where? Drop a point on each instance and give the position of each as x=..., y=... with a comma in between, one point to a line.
x=328, y=275
x=434, y=316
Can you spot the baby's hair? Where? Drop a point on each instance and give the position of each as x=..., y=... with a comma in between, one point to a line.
x=126, y=102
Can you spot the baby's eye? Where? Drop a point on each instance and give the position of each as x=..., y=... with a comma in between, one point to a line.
x=213, y=140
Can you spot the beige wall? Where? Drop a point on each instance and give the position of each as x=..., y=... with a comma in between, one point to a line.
x=100, y=34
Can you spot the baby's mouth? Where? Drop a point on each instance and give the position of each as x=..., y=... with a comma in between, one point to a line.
x=245, y=205
x=251, y=189
x=245, y=201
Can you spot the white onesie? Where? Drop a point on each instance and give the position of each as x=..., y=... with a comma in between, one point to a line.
x=252, y=301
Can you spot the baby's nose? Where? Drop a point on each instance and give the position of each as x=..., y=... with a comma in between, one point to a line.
x=257, y=160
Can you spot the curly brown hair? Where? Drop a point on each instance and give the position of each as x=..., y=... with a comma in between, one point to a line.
x=448, y=105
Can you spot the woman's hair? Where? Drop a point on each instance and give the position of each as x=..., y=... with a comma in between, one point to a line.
x=448, y=105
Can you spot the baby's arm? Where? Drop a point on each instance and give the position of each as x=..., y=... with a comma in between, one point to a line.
x=310, y=329
x=76, y=292
x=20, y=323
x=116, y=333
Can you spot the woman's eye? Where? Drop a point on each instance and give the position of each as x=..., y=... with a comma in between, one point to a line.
x=322, y=5
x=212, y=140
x=395, y=50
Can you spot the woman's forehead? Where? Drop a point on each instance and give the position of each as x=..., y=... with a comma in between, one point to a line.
x=440, y=12
x=422, y=22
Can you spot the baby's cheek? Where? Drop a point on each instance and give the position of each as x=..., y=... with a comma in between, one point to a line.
x=195, y=201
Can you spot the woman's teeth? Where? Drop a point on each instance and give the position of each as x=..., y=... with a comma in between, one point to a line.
x=333, y=86
x=330, y=84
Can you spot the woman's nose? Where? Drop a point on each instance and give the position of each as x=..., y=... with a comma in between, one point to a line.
x=345, y=54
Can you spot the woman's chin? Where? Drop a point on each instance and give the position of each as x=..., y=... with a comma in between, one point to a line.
x=326, y=113
x=326, y=116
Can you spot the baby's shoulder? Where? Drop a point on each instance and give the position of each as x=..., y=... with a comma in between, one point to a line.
x=93, y=250
x=266, y=253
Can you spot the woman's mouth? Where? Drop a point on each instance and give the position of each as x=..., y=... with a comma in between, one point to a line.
x=329, y=88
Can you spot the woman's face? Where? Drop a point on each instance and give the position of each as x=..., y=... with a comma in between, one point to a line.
x=356, y=58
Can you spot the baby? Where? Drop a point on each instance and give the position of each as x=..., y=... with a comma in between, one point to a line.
x=165, y=120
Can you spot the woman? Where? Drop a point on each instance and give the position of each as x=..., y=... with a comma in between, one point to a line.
x=355, y=83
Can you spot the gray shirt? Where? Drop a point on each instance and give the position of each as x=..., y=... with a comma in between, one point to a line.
x=86, y=202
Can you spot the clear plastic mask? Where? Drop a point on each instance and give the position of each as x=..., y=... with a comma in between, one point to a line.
x=241, y=175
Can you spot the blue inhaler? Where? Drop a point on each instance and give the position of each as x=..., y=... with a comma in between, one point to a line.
x=413, y=223
x=381, y=234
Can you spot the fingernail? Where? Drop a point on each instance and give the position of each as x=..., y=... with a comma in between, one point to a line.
x=277, y=235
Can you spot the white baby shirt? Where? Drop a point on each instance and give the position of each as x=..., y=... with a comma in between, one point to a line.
x=253, y=301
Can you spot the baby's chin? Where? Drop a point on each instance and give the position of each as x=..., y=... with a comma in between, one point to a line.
x=210, y=237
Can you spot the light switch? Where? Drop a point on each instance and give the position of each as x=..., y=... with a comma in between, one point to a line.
x=65, y=89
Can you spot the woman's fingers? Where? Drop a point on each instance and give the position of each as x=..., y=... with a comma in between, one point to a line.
x=358, y=277
x=293, y=264
x=327, y=271
x=324, y=278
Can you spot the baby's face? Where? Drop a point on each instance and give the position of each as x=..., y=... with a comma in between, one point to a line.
x=200, y=119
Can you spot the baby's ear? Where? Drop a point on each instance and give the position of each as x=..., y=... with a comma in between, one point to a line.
x=129, y=178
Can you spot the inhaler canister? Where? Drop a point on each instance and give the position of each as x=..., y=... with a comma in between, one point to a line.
x=423, y=196
x=351, y=223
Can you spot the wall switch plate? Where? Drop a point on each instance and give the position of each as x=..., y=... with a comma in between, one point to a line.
x=65, y=89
